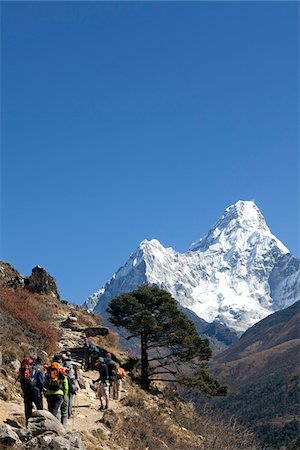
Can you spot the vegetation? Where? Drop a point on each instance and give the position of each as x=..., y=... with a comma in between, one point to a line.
x=23, y=318
x=261, y=404
x=171, y=348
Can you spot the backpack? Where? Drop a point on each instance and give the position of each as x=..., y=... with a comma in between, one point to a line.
x=27, y=374
x=112, y=370
x=71, y=372
x=53, y=378
x=71, y=375
x=120, y=375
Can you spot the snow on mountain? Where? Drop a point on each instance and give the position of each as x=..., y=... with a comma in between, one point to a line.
x=237, y=275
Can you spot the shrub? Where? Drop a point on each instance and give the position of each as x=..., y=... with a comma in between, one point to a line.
x=25, y=317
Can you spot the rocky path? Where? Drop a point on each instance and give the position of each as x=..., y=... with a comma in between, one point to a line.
x=86, y=418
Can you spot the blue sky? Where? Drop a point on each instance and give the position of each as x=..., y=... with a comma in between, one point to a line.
x=124, y=121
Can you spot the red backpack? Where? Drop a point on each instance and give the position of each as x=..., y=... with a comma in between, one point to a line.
x=27, y=374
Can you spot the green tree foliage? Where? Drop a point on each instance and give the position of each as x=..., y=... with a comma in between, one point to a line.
x=170, y=345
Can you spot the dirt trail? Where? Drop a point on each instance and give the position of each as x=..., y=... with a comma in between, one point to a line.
x=86, y=415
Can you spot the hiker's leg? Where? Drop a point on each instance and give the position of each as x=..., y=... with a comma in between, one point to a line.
x=27, y=407
x=64, y=411
x=114, y=390
x=106, y=392
x=54, y=404
x=101, y=394
x=38, y=399
x=118, y=388
x=70, y=404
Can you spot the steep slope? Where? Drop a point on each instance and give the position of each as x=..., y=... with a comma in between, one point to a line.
x=262, y=371
x=270, y=346
x=236, y=275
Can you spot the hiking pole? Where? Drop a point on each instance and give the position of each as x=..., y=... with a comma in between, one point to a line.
x=73, y=411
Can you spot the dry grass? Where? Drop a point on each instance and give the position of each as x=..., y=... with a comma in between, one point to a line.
x=25, y=324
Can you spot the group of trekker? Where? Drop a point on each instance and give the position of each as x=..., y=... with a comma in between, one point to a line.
x=110, y=373
x=57, y=382
x=110, y=380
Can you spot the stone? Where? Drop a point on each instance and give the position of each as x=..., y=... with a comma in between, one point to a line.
x=96, y=331
x=45, y=442
x=110, y=419
x=43, y=421
x=13, y=423
x=8, y=437
x=81, y=383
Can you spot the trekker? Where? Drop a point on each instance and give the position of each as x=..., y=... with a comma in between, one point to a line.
x=32, y=385
x=56, y=383
x=112, y=370
x=103, y=389
x=117, y=383
x=72, y=377
x=88, y=362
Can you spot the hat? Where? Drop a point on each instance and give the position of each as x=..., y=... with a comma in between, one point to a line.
x=57, y=358
x=68, y=353
x=100, y=360
x=108, y=355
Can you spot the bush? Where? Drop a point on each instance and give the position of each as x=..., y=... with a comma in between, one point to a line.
x=24, y=318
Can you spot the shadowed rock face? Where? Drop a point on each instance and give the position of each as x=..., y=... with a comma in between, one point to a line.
x=41, y=282
x=10, y=276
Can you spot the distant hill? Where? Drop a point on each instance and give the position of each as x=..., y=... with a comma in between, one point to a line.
x=262, y=370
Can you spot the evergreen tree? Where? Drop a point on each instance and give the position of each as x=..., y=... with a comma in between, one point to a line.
x=170, y=344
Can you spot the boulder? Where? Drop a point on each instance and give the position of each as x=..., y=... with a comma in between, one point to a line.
x=43, y=421
x=68, y=442
x=41, y=282
x=71, y=322
x=110, y=419
x=96, y=331
x=8, y=438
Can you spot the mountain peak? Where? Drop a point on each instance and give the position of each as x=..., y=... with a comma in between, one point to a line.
x=242, y=225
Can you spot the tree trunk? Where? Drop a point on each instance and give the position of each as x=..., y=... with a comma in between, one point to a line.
x=145, y=383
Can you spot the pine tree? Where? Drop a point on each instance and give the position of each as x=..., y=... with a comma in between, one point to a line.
x=170, y=344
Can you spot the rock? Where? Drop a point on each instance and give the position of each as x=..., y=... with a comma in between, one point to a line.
x=15, y=365
x=23, y=434
x=8, y=437
x=68, y=442
x=3, y=372
x=13, y=423
x=71, y=322
x=3, y=393
x=96, y=331
x=43, y=421
x=81, y=383
x=110, y=419
x=41, y=282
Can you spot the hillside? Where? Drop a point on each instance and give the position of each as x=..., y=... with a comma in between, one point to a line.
x=159, y=419
x=262, y=371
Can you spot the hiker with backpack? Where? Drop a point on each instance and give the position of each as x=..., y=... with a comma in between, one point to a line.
x=91, y=354
x=72, y=377
x=103, y=389
x=57, y=388
x=32, y=384
x=117, y=383
x=112, y=370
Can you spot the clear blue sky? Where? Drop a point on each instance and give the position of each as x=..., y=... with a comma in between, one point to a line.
x=124, y=121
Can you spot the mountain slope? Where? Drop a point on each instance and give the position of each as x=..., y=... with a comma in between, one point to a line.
x=262, y=371
x=236, y=275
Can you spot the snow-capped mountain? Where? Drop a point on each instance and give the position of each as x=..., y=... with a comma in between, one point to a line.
x=238, y=274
